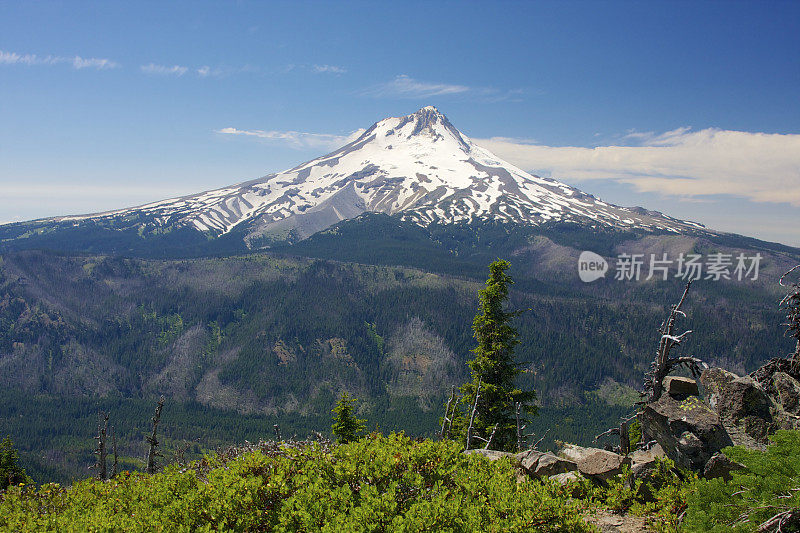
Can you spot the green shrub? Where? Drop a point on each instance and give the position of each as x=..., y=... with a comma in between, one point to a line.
x=373, y=484
x=768, y=485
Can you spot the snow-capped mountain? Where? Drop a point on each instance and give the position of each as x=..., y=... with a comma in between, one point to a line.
x=418, y=165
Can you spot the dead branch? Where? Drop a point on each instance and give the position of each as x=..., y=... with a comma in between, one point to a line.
x=448, y=418
x=789, y=519
x=153, y=441
x=489, y=442
x=538, y=442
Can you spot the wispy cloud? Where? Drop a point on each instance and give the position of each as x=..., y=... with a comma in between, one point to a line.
x=163, y=70
x=297, y=139
x=404, y=86
x=77, y=62
x=332, y=69
x=683, y=163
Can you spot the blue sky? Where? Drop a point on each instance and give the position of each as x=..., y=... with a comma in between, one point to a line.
x=691, y=108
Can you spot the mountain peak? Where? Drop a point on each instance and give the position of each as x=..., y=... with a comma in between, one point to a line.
x=419, y=166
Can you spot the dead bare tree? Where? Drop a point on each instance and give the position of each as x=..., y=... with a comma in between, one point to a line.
x=100, y=451
x=277, y=432
x=447, y=421
x=473, y=413
x=522, y=438
x=791, y=302
x=114, y=448
x=153, y=441
x=624, y=435
x=663, y=363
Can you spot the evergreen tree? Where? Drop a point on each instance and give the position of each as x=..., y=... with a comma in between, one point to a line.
x=10, y=471
x=346, y=426
x=493, y=366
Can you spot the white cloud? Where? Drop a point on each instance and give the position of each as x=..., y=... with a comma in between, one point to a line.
x=406, y=87
x=77, y=62
x=332, y=69
x=175, y=70
x=759, y=166
x=297, y=139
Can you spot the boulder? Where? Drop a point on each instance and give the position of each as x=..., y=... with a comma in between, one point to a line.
x=544, y=464
x=743, y=405
x=492, y=455
x=575, y=453
x=566, y=478
x=787, y=392
x=643, y=463
x=680, y=387
x=602, y=465
x=689, y=431
x=720, y=466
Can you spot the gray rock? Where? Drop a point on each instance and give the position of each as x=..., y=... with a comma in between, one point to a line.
x=720, y=466
x=743, y=405
x=602, y=465
x=643, y=463
x=575, y=453
x=492, y=455
x=689, y=431
x=787, y=391
x=680, y=387
x=566, y=478
x=544, y=464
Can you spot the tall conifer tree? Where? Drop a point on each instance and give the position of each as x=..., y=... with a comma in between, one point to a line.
x=493, y=365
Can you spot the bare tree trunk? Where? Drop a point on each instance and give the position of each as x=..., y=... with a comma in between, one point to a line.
x=472, y=414
x=277, y=432
x=447, y=416
x=153, y=441
x=114, y=447
x=517, y=410
x=624, y=439
x=100, y=452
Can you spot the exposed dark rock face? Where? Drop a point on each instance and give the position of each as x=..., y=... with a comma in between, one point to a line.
x=742, y=404
x=680, y=388
x=737, y=411
x=688, y=430
x=720, y=466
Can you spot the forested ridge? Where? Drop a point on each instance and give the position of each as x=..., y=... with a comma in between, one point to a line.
x=238, y=343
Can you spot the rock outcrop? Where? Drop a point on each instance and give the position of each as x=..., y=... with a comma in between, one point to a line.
x=688, y=429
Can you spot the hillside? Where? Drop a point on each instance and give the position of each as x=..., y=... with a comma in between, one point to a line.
x=273, y=337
